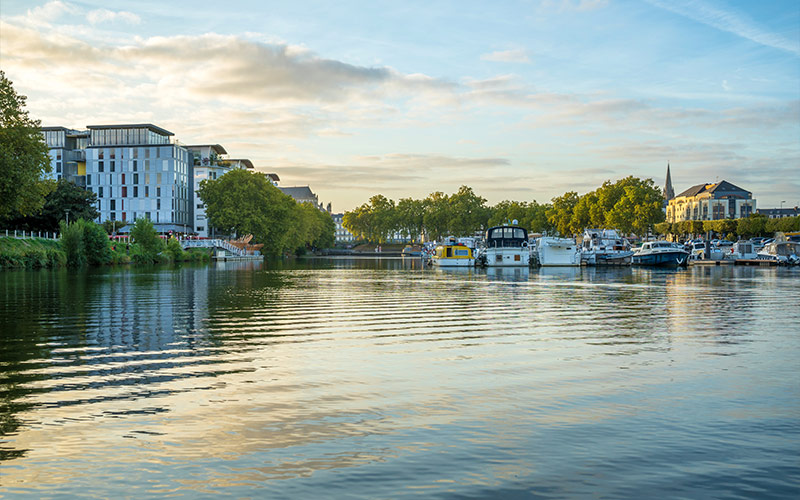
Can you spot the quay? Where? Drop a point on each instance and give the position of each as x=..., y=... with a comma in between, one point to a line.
x=736, y=262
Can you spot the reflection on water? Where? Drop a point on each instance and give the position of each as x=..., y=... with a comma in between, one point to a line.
x=382, y=378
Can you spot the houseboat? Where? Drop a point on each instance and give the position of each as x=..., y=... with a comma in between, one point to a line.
x=455, y=255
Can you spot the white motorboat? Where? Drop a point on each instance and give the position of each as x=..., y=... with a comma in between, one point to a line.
x=506, y=246
x=785, y=252
x=605, y=247
x=742, y=249
x=558, y=252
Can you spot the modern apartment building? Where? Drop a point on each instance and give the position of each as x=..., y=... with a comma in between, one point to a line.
x=67, y=153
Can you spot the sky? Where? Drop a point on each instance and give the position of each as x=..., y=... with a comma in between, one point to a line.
x=520, y=100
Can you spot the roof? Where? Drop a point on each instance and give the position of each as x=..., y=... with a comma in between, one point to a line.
x=53, y=129
x=247, y=163
x=719, y=186
x=216, y=147
x=298, y=192
x=148, y=126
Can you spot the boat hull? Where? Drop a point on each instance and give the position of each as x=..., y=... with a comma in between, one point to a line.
x=558, y=252
x=661, y=259
x=507, y=257
x=452, y=262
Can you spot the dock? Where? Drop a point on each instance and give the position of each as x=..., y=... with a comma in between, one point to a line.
x=736, y=262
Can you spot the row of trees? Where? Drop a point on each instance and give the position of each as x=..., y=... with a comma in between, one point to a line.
x=631, y=205
x=243, y=202
x=755, y=225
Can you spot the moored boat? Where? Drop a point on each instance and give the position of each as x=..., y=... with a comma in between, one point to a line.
x=506, y=246
x=782, y=251
x=605, y=247
x=456, y=255
x=661, y=254
x=558, y=252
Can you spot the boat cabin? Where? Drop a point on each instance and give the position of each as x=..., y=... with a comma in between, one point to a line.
x=453, y=251
x=506, y=237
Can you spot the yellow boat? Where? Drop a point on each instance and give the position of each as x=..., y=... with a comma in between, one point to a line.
x=453, y=256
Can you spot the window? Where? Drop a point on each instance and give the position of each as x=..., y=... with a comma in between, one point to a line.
x=88, y=180
x=100, y=166
x=199, y=205
x=111, y=165
x=158, y=204
x=100, y=191
x=124, y=191
x=136, y=178
x=100, y=154
x=123, y=178
x=123, y=216
x=147, y=155
x=135, y=164
x=113, y=216
x=58, y=167
x=147, y=165
x=158, y=178
x=113, y=204
x=158, y=191
x=135, y=191
x=201, y=228
x=147, y=191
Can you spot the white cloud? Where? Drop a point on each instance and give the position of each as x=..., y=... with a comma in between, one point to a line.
x=510, y=56
x=729, y=21
x=99, y=16
x=50, y=11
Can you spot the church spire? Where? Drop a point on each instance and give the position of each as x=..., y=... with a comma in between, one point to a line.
x=669, y=193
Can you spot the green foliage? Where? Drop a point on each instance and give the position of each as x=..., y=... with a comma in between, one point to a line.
x=23, y=157
x=783, y=225
x=72, y=243
x=751, y=226
x=146, y=243
x=467, y=212
x=243, y=202
x=67, y=196
x=113, y=226
x=174, y=250
x=663, y=228
x=560, y=213
x=531, y=216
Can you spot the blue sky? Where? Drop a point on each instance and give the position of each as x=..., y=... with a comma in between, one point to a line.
x=519, y=100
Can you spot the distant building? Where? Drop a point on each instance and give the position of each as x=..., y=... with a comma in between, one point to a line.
x=302, y=194
x=274, y=179
x=778, y=213
x=720, y=200
x=342, y=235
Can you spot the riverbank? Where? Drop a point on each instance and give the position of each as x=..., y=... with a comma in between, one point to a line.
x=37, y=253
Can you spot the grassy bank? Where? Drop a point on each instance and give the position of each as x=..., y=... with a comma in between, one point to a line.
x=35, y=253
x=31, y=253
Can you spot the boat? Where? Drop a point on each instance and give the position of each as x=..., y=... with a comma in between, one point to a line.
x=661, y=254
x=455, y=255
x=506, y=246
x=554, y=251
x=605, y=247
x=782, y=251
x=742, y=249
x=409, y=251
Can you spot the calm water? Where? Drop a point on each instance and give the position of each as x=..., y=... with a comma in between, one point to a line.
x=377, y=379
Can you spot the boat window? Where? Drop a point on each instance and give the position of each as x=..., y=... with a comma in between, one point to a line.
x=519, y=233
x=462, y=252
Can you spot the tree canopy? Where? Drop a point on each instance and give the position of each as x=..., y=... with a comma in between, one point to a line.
x=243, y=202
x=23, y=156
x=67, y=196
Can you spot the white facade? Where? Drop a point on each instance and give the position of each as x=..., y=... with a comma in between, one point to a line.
x=342, y=235
x=137, y=172
x=209, y=163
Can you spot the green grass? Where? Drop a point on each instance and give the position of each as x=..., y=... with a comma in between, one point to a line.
x=30, y=253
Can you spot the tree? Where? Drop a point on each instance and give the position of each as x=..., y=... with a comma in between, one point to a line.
x=66, y=197
x=468, y=212
x=639, y=208
x=410, y=217
x=245, y=202
x=560, y=214
x=437, y=215
x=24, y=156
x=146, y=243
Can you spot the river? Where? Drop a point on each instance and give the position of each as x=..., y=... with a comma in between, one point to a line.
x=375, y=378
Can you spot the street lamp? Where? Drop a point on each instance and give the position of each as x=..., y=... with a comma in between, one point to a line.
x=784, y=201
x=67, y=211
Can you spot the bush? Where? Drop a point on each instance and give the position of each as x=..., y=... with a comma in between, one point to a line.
x=146, y=243
x=72, y=243
x=97, y=244
x=175, y=250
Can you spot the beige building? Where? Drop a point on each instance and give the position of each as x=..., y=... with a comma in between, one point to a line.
x=720, y=200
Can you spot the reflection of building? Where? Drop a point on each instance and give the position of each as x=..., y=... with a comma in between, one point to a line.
x=720, y=200
x=342, y=235
x=779, y=213
x=67, y=153
x=209, y=162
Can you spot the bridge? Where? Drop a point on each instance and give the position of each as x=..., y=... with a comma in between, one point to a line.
x=214, y=244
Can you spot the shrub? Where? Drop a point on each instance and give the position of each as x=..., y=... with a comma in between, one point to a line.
x=72, y=243
x=175, y=250
x=96, y=244
x=147, y=245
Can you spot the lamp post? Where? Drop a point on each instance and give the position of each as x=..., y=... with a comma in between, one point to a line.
x=784, y=201
x=67, y=211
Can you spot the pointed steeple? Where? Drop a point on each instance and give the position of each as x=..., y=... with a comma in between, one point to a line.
x=668, y=193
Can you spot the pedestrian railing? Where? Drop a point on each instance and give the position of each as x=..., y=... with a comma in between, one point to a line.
x=215, y=243
x=21, y=234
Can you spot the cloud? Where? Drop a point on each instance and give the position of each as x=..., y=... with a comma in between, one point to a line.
x=51, y=11
x=728, y=21
x=509, y=56
x=99, y=16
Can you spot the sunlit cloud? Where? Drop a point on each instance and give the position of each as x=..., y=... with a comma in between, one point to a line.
x=99, y=16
